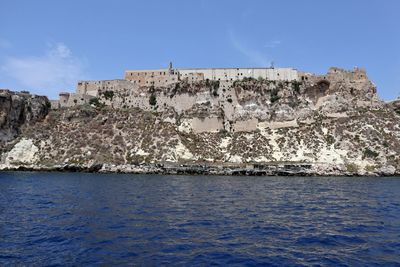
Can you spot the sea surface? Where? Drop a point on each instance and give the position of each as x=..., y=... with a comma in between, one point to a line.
x=153, y=220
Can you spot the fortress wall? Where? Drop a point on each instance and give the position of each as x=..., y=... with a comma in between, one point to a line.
x=208, y=124
x=245, y=126
x=340, y=74
x=232, y=74
x=191, y=77
x=336, y=74
x=70, y=100
x=180, y=102
x=63, y=99
x=88, y=87
x=118, y=85
x=159, y=77
x=55, y=104
x=94, y=87
x=184, y=102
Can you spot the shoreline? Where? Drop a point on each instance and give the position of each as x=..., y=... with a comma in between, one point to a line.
x=302, y=170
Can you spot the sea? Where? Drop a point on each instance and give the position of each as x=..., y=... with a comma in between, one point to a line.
x=58, y=219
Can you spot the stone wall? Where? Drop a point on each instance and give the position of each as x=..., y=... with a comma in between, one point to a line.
x=55, y=104
x=71, y=100
x=94, y=87
x=159, y=77
x=232, y=74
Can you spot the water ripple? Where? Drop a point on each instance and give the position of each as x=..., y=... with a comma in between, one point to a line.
x=92, y=219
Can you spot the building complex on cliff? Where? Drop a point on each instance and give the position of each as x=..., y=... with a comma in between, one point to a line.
x=134, y=79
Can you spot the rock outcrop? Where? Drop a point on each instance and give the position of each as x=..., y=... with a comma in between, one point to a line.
x=18, y=109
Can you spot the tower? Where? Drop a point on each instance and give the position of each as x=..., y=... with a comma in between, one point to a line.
x=170, y=69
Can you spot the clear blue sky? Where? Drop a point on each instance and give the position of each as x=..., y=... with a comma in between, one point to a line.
x=46, y=45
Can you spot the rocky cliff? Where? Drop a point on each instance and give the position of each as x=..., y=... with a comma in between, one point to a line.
x=321, y=125
x=18, y=109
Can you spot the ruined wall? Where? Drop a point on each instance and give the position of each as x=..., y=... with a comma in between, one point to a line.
x=71, y=100
x=245, y=126
x=336, y=74
x=180, y=102
x=55, y=104
x=210, y=124
x=94, y=87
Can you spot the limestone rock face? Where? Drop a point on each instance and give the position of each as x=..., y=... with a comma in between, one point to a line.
x=332, y=124
x=17, y=109
x=24, y=152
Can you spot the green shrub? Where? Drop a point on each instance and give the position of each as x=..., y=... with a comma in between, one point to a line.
x=152, y=99
x=351, y=167
x=95, y=102
x=296, y=86
x=368, y=153
x=108, y=95
x=274, y=95
x=330, y=139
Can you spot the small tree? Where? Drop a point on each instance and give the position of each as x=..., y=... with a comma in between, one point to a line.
x=152, y=99
x=108, y=95
x=274, y=95
x=95, y=102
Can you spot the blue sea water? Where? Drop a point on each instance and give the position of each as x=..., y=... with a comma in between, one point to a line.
x=152, y=220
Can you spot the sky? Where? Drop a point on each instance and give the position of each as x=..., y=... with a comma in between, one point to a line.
x=46, y=46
